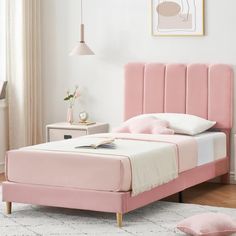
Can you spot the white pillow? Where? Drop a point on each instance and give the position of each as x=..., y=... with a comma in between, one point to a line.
x=183, y=123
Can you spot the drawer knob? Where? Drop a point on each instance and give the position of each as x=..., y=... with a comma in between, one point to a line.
x=67, y=136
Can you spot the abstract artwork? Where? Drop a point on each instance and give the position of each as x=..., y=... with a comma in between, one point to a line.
x=177, y=17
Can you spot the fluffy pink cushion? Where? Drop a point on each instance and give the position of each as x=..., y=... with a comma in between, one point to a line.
x=146, y=125
x=208, y=224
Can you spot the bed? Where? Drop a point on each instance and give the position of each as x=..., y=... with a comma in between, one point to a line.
x=149, y=88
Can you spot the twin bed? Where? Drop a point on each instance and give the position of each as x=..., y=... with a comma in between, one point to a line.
x=123, y=179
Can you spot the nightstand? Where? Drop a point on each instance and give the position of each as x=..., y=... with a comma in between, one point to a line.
x=60, y=131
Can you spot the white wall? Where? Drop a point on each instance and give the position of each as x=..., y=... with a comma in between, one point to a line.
x=118, y=32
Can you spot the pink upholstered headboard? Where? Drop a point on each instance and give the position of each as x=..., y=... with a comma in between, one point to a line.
x=198, y=89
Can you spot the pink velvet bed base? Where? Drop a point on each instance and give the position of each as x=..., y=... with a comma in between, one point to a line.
x=152, y=88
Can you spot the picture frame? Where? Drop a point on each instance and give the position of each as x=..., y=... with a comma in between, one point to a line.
x=178, y=17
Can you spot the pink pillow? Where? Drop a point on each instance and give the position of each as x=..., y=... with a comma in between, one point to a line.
x=145, y=125
x=208, y=224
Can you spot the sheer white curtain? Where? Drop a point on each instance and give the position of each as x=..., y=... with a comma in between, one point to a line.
x=2, y=40
x=23, y=72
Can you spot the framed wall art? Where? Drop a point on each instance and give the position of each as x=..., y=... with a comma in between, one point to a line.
x=177, y=17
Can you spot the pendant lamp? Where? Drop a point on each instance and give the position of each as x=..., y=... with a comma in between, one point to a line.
x=81, y=49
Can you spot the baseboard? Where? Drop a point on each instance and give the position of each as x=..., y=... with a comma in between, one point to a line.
x=2, y=168
x=232, y=179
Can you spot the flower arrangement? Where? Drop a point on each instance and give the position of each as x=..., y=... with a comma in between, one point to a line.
x=71, y=97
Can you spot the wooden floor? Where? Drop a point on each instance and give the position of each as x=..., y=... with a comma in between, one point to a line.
x=211, y=194
x=2, y=178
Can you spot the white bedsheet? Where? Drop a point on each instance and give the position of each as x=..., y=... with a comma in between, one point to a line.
x=211, y=147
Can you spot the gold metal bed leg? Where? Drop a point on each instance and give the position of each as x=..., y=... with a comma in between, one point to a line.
x=8, y=207
x=119, y=219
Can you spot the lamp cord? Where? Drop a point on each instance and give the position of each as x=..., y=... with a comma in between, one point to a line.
x=81, y=11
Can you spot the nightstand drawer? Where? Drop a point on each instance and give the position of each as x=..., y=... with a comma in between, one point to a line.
x=60, y=134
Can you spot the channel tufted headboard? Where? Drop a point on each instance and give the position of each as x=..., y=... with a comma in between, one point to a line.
x=198, y=89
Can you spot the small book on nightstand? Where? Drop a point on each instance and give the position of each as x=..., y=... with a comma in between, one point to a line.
x=87, y=122
x=101, y=143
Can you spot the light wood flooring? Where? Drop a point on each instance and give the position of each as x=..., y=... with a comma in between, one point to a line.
x=211, y=194
x=2, y=178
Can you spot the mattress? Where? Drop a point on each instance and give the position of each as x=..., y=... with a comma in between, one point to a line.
x=211, y=147
x=100, y=172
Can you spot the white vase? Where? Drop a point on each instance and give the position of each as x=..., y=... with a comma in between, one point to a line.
x=70, y=115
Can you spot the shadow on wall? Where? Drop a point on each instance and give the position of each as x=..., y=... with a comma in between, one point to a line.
x=3, y=86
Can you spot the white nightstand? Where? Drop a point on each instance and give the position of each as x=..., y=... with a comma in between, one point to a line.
x=60, y=131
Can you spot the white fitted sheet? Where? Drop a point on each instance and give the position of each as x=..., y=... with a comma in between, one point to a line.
x=211, y=147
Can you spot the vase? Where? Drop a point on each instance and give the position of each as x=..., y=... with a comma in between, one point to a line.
x=70, y=115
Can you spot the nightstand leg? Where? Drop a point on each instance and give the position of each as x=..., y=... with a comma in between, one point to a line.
x=119, y=219
x=8, y=207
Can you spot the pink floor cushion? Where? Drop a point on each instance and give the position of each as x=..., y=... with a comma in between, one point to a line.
x=208, y=224
x=145, y=125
